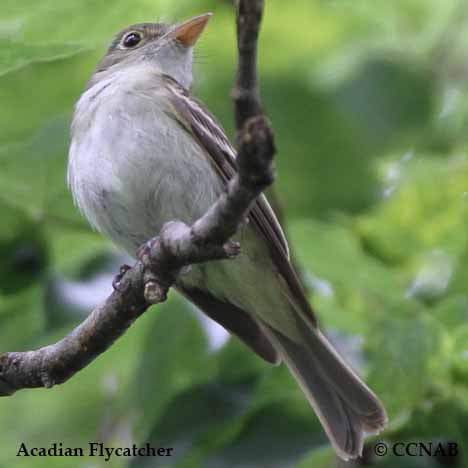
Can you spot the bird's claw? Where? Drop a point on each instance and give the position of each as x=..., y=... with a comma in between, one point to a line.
x=144, y=249
x=116, y=282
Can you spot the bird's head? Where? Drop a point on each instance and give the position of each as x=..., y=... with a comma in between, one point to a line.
x=168, y=48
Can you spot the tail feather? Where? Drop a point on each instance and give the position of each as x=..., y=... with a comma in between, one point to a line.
x=346, y=407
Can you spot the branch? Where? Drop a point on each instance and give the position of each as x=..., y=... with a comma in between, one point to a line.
x=160, y=262
x=245, y=92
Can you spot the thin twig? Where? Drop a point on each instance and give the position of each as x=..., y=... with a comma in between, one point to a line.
x=148, y=282
x=245, y=93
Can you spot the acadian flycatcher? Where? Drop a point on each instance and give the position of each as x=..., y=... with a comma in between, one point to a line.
x=143, y=152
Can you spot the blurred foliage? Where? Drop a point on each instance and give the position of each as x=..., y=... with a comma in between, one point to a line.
x=370, y=106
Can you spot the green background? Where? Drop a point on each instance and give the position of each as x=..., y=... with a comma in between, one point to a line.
x=369, y=102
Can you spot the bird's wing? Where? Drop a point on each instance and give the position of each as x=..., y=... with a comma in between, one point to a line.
x=193, y=116
x=234, y=319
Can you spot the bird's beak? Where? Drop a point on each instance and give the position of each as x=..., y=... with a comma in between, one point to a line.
x=189, y=31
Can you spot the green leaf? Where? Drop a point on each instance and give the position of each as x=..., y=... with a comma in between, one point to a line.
x=276, y=435
x=23, y=250
x=417, y=218
x=208, y=411
x=319, y=458
x=406, y=358
x=15, y=54
x=174, y=356
x=347, y=282
x=452, y=311
x=21, y=319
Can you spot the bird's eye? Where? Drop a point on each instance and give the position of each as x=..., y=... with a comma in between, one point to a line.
x=131, y=40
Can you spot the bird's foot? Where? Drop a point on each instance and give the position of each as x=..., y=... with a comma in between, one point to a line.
x=144, y=250
x=116, y=282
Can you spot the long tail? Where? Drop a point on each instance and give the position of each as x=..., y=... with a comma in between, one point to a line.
x=346, y=407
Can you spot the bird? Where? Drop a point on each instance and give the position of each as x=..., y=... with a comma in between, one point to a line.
x=144, y=151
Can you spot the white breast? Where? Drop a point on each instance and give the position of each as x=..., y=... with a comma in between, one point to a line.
x=131, y=166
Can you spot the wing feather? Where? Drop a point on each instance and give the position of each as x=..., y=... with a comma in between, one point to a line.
x=196, y=119
x=233, y=319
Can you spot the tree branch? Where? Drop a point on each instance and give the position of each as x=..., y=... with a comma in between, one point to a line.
x=245, y=93
x=160, y=262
